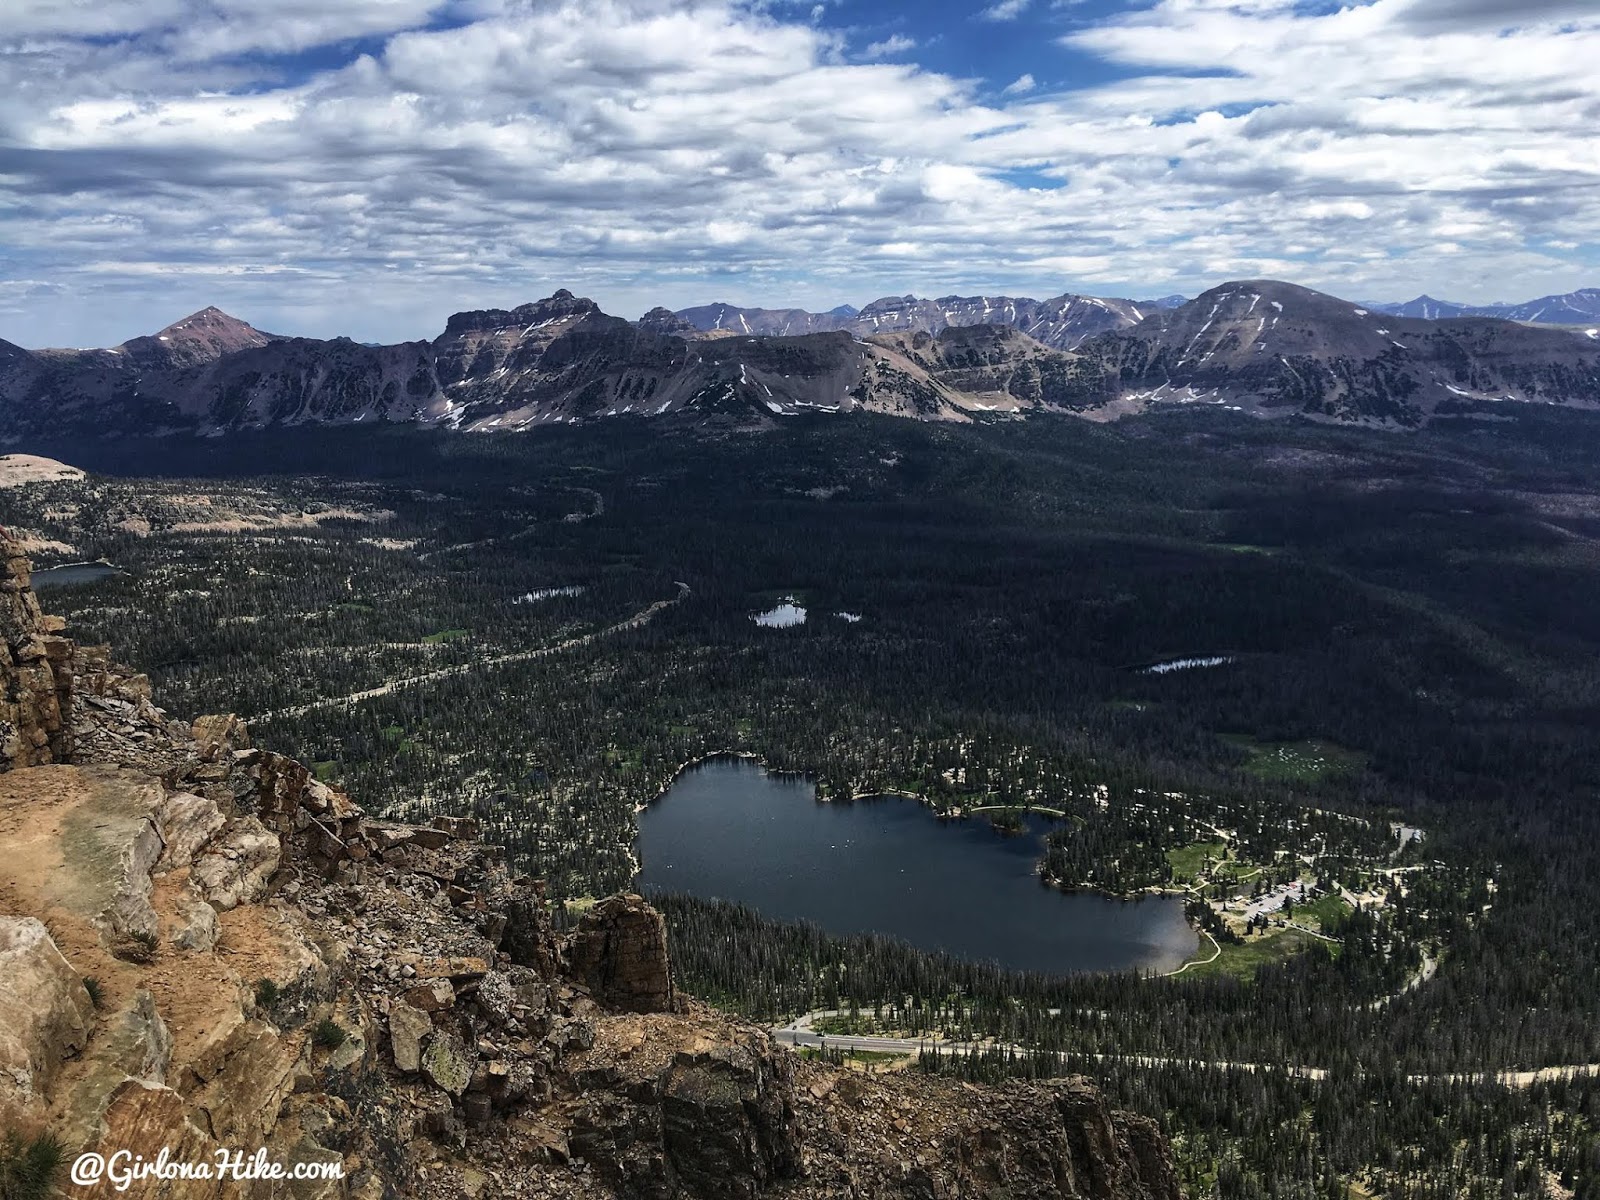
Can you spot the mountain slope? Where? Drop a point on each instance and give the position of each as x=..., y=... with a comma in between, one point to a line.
x=201, y=337
x=1266, y=346
x=998, y=367
x=1061, y=322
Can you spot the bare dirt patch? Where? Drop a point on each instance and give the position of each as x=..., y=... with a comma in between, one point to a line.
x=18, y=469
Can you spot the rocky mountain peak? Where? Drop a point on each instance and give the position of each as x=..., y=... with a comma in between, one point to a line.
x=201, y=337
x=889, y=304
x=664, y=320
x=561, y=303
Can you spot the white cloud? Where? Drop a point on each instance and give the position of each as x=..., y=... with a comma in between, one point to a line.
x=672, y=151
x=1005, y=10
x=896, y=43
x=199, y=29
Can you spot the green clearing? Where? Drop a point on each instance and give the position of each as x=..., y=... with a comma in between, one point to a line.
x=1188, y=861
x=875, y=1056
x=327, y=771
x=445, y=635
x=1296, y=762
x=395, y=735
x=1243, y=960
x=1329, y=912
x=841, y=1024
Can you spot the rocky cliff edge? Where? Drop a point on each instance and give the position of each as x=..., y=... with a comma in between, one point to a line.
x=202, y=947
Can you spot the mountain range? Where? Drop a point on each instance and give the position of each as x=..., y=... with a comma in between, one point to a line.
x=1066, y=320
x=1574, y=308
x=1061, y=322
x=1264, y=347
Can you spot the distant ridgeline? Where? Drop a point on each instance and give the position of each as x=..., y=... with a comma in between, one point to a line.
x=1262, y=347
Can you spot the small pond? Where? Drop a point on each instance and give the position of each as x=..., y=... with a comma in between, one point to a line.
x=46, y=578
x=787, y=613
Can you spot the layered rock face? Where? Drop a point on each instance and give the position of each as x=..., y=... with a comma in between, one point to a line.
x=620, y=953
x=36, y=672
x=203, y=948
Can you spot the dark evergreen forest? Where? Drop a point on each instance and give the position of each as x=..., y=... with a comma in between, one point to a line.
x=1426, y=607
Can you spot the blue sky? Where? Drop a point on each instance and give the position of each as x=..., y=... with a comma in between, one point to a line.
x=367, y=167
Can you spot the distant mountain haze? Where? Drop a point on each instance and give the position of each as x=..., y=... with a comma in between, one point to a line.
x=1575, y=308
x=1263, y=347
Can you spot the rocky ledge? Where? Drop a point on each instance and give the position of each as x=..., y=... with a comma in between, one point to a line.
x=203, y=947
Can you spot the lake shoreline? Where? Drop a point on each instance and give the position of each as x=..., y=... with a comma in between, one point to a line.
x=898, y=794
x=1128, y=900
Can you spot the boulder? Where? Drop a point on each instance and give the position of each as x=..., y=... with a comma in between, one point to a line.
x=129, y=915
x=218, y=735
x=727, y=1120
x=431, y=997
x=349, y=1052
x=145, y=1119
x=456, y=967
x=408, y=1028
x=197, y=927
x=45, y=1012
x=136, y=1044
x=187, y=822
x=238, y=1083
x=237, y=866
x=447, y=1063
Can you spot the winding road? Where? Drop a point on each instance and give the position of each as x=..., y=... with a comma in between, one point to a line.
x=642, y=617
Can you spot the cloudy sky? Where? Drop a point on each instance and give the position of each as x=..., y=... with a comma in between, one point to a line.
x=366, y=167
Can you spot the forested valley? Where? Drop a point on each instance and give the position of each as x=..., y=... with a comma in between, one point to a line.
x=1400, y=628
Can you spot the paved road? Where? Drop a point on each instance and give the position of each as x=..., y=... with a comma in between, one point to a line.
x=799, y=1033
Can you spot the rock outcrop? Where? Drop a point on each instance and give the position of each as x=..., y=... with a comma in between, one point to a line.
x=36, y=672
x=45, y=1011
x=620, y=953
x=213, y=951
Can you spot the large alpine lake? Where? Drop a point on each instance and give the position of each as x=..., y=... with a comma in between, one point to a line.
x=728, y=830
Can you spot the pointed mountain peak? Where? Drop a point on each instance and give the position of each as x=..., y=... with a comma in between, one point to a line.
x=200, y=337
x=210, y=318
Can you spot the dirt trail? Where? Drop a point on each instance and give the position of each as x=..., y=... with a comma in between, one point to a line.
x=64, y=829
